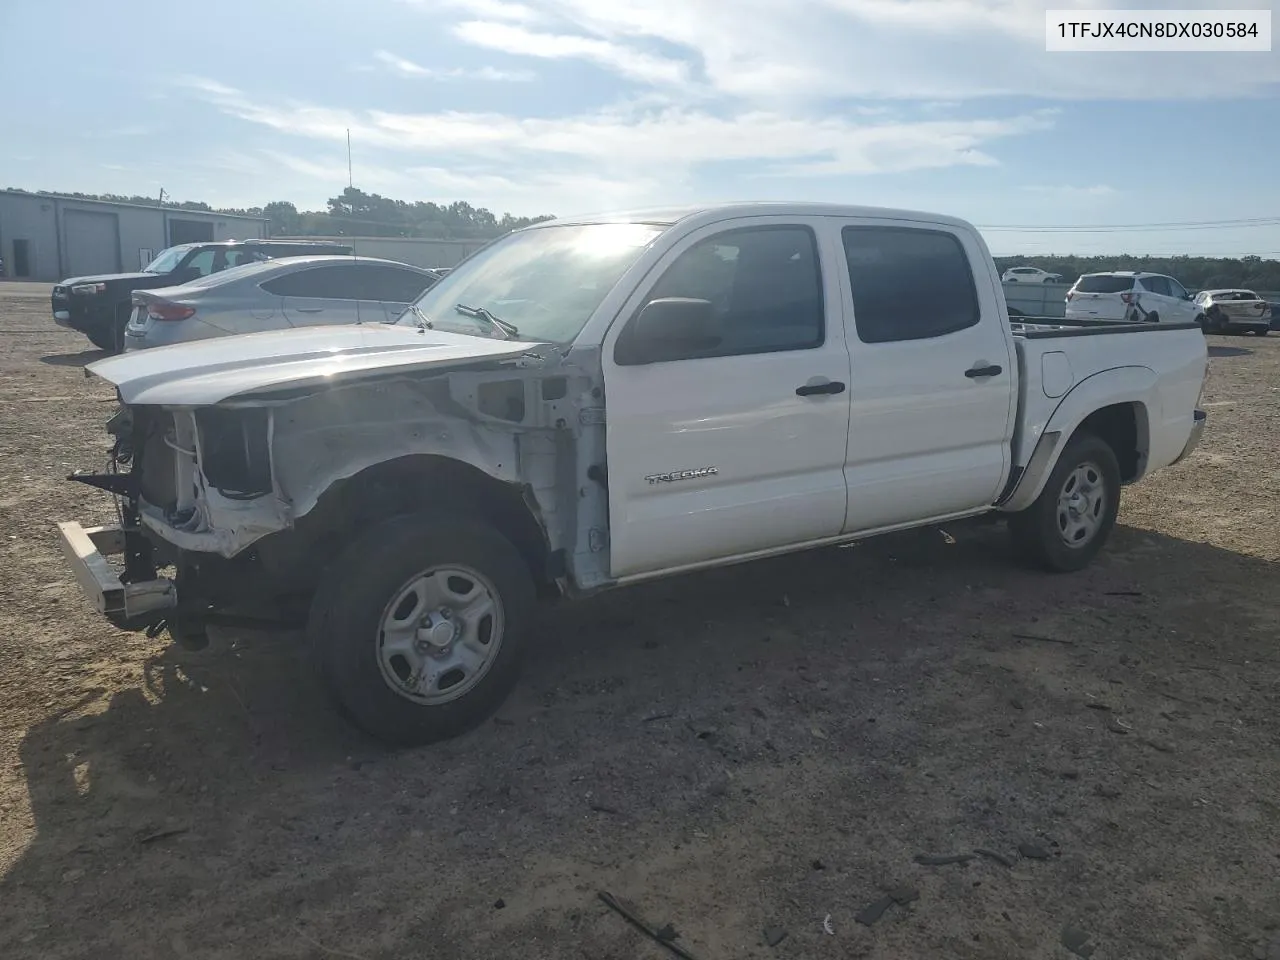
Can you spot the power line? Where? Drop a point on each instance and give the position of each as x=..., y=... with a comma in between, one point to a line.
x=1118, y=227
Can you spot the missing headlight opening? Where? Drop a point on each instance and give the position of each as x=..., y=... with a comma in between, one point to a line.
x=235, y=453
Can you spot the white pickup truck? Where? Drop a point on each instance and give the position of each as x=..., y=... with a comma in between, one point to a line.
x=590, y=403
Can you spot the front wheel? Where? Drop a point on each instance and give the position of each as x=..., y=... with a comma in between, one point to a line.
x=111, y=337
x=1066, y=526
x=418, y=627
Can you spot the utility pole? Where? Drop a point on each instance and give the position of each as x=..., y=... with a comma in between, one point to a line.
x=350, y=179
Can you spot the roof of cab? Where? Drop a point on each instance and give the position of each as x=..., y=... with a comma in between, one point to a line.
x=668, y=216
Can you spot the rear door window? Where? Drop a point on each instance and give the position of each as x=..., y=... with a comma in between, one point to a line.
x=1104, y=285
x=1157, y=285
x=334, y=282
x=908, y=283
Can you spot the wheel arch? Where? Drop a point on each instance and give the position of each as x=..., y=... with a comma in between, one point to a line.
x=1117, y=405
x=412, y=484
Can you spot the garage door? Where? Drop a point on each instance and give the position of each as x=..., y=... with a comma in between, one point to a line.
x=189, y=231
x=92, y=242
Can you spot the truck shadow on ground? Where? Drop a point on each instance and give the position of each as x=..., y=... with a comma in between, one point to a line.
x=82, y=359
x=222, y=796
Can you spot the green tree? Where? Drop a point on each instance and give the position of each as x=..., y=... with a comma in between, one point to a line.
x=284, y=217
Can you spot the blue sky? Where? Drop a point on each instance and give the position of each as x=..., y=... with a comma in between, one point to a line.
x=571, y=106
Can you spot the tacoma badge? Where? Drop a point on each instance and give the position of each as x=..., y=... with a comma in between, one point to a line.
x=682, y=475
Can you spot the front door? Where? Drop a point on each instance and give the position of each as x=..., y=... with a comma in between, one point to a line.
x=932, y=398
x=739, y=447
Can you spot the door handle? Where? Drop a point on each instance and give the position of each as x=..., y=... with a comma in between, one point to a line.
x=993, y=370
x=809, y=389
x=309, y=309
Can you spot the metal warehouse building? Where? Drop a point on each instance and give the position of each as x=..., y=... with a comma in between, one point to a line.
x=51, y=238
x=420, y=251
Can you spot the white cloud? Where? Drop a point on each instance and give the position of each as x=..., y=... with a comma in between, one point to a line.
x=408, y=68
x=814, y=50
x=638, y=139
x=623, y=60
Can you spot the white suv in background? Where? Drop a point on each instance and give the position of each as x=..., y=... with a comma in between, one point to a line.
x=1030, y=275
x=1128, y=295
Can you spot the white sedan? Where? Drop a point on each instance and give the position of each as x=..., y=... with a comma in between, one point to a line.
x=1030, y=275
x=1229, y=311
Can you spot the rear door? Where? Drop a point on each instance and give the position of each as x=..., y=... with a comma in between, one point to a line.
x=1182, y=308
x=932, y=382
x=1154, y=299
x=736, y=448
x=324, y=295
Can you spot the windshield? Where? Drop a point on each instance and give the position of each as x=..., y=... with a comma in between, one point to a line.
x=546, y=281
x=167, y=261
x=232, y=274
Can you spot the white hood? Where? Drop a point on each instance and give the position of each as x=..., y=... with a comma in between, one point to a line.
x=205, y=372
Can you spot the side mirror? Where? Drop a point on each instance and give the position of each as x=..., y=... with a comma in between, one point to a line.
x=673, y=328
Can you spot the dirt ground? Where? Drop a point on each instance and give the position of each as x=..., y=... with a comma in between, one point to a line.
x=767, y=746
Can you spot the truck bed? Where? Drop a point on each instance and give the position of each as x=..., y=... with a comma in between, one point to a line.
x=1157, y=366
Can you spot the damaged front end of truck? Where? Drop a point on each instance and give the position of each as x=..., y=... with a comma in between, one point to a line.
x=241, y=470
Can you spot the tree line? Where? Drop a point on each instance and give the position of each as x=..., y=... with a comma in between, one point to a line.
x=353, y=213
x=1194, y=273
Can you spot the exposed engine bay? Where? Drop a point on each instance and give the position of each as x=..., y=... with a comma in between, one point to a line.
x=251, y=494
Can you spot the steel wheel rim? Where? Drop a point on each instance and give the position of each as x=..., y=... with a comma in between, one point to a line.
x=1082, y=505
x=440, y=634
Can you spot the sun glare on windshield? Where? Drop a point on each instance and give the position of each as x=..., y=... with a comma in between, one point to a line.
x=607, y=240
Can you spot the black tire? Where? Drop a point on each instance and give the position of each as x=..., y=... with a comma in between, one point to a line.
x=355, y=592
x=1037, y=531
x=1261, y=331
x=190, y=634
x=1152, y=317
x=111, y=339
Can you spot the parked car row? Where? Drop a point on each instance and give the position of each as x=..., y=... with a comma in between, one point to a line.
x=1139, y=297
x=194, y=291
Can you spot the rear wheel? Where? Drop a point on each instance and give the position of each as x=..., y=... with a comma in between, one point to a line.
x=1261, y=331
x=1071, y=520
x=418, y=627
